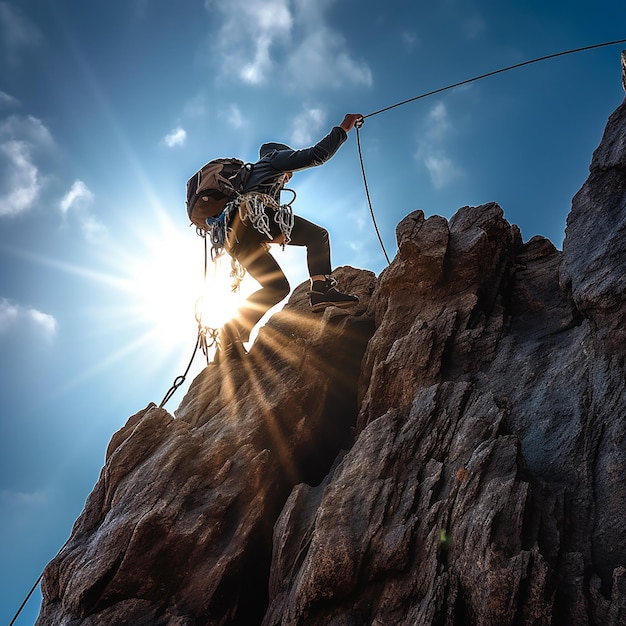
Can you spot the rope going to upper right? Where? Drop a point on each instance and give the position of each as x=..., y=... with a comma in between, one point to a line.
x=452, y=86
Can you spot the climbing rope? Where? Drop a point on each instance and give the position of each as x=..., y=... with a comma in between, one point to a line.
x=283, y=216
x=207, y=336
x=452, y=86
x=367, y=191
x=500, y=71
x=26, y=599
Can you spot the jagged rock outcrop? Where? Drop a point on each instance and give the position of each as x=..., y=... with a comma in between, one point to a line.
x=451, y=452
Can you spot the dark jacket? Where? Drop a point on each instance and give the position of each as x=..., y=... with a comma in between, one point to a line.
x=266, y=176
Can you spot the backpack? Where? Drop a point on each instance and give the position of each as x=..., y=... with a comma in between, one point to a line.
x=213, y=186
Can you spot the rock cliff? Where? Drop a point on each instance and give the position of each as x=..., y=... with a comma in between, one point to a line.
x=451, y=452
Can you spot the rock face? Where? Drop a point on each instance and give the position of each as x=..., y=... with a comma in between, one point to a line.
x=450, y=452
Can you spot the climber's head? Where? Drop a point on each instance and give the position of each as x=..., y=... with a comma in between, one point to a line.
x=266, y=148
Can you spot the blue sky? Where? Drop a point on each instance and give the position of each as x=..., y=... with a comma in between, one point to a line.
x=107, y=108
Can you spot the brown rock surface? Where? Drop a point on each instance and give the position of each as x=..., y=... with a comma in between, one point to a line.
x=452, y=452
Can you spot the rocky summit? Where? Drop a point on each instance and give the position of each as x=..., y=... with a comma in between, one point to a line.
x=452, y=451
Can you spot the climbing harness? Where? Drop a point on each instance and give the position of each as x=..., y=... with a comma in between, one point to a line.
x=251, y=207
x=459, y=84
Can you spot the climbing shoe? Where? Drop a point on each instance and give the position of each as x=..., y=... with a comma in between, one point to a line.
x=324, y=293
x=230, y=346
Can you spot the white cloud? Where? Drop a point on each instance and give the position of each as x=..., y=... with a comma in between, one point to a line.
x=22, y=508
x=307, y=126
x=45, y=321
x=249, y=29
x=322, y=60
x=19, y=498
x=438, y=122
x=6, y=100
x=431, y=148
x=175, y=138
x=20, y=182
x=14, y=316
x=259, y=40
x=28, y=127
x=441, y=169
x=78, y=195
x=17, y=32
x=234, y=116
x=358, y=219
x=77, y=201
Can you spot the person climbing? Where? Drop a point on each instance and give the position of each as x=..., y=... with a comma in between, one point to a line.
x=248, y=243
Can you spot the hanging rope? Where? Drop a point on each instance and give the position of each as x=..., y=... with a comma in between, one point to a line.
x=207, y=336
x=464, y=82
x=367, y=191
x=179, y=380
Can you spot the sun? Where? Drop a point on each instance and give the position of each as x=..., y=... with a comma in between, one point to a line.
x=168, y=290
x=172, y=291
x=171, y=284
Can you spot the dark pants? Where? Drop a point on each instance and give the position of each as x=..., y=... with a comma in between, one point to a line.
x=251, y=250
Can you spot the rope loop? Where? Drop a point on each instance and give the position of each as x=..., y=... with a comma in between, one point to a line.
x=285, y=220
x=237, y=273
x=291, y=191
x=252, y=208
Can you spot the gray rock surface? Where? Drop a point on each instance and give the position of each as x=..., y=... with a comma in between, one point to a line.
x=451, y=452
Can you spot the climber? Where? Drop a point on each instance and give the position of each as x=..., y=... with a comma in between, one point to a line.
x=248, y=245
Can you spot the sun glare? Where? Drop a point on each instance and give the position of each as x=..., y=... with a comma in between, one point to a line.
x=161, y=272
x=217, y=302
x=151, y=292
x=171, y=290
